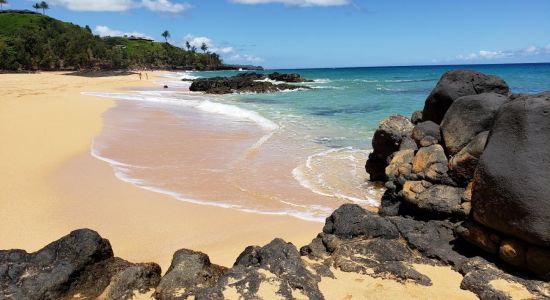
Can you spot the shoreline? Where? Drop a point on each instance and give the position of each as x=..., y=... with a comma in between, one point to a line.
x=67, y=188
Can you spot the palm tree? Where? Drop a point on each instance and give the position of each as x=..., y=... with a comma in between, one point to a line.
x=187, y=45
x=204, y=47
x=44, y=5
x=36, y=6
x=193, y=49
x=2, y=2
x=166, y=35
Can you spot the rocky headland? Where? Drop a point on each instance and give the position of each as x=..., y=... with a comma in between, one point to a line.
x=466, y=186
x=248, y=83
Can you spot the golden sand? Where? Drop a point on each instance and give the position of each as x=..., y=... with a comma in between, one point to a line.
x=51, y=184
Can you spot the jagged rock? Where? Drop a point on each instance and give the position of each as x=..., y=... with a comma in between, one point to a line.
x=467, y=117
x=277, y=263
x=436, y=201
x=426, y=134
x=464, y=163
x=242, y=83
x=378, y=258
x=188, y=272
x=434, y=239
x=292, y=77
x=456, y=84
x=479, y=274
x=416, y=117
x=351, y=220
x=511, y=187
x=431, y=163
x=115, y=278
x=400, y=167
x=386, y=140
x=481, y=237
x=80, y=263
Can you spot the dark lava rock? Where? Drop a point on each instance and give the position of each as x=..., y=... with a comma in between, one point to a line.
x=242, y=83
x=351, y=220
x=464, y=163
x=467, y=117
x=511, y=187
x=456, y=84
x=277, y=263
x=386, y=140
x=80, y=263
x=188, y=272
x=434, y=201
x=426, y=134
x=292, y=77
x=416, y=117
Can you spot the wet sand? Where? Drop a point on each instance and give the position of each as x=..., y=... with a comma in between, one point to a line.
x=51, y=184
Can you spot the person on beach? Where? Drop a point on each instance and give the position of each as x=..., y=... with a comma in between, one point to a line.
x=140, y=75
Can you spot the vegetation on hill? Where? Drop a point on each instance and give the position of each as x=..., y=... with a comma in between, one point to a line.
x=38, y=42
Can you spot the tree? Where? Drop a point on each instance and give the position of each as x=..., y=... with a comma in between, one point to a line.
x=36, y=6
x=44, y=5
x=2, y=2
x=204, y=47
x=166, y=35
x=187, y=45
x=193, y=49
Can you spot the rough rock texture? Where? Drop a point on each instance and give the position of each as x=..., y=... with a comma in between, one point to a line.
x=435, y=201
x=463, y=165
x=511, y=187
x=188, y=272
x=386, y=140
x=456, y=84
x=278, y=264
x=416, y=117
x=292, y=77
x=431, y=163
x=390, y=256
x=467, y=117
x=242, y=83
x=80, y=263
x=426, y=134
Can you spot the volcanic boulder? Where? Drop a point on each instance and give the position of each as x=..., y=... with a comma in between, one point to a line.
x=456, y=84
x=511, y=186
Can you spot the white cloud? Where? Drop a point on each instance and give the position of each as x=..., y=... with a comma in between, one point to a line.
x=547, y=48
x=197, y=41
x=163, y=6
x=245, y=58
x=531, y=50
x=302, y=3
x=484, y=54
x=106, y=31
x=97, y=5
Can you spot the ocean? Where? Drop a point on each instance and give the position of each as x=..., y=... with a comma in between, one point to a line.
x=299, y=153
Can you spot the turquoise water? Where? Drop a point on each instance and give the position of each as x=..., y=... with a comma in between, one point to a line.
x=299, y=153
x=350, y=102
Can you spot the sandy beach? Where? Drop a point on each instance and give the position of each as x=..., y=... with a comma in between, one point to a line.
x=52, y=185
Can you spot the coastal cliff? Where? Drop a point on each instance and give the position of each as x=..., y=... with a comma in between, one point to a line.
x=482, y=212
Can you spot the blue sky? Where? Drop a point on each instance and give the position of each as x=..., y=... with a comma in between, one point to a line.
x=330, y=33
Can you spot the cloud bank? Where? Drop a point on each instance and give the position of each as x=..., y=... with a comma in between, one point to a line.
x=162, y=6
x=106, y=31
x=482, y=55
x=301, y=3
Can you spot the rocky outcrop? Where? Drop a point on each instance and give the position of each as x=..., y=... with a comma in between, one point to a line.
x=189, y=272
x=386, y=140
x=486, y=164
x=467, y=117
x=456, y=84
x=80, y=263
x=511, y=186
x=292, y=77
x=243, y=83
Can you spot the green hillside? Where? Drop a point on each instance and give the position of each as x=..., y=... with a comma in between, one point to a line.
x=38, y=42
